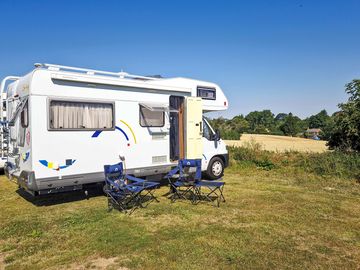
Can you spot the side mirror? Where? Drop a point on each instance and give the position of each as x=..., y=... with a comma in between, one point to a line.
x=217, y=134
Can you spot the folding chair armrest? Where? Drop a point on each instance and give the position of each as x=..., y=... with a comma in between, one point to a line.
x=134, y=179
x=172, y=172
x=134, y=188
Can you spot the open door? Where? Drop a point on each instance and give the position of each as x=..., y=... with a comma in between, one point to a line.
x=177, y=150
x=193, y=128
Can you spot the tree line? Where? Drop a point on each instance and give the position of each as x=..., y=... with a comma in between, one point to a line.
x=265, y=122
x=341, y=129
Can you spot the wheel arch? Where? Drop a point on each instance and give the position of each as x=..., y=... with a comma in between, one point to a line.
x=223, y=157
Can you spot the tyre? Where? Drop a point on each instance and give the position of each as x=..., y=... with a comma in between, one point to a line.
x=215, y=168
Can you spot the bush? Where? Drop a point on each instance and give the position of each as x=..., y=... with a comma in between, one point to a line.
x=252, y=153
x=336, y=163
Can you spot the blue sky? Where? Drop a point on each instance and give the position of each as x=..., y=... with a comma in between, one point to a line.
x=287, y=56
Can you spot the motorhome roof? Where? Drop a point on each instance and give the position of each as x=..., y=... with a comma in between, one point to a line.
x=87, y=71
x=92, y=75
x=67, y=73
x=43, y=76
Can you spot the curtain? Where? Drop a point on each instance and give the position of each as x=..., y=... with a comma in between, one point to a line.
x=80, y=115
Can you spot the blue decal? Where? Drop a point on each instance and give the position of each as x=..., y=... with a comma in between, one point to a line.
x=123, y=132
x=97, y=133
x=25, y=156
x=51, y=165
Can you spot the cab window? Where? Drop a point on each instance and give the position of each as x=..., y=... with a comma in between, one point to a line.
x=207, y=132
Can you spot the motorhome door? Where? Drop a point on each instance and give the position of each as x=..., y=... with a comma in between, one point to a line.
x=176, y=128
x=193, y=128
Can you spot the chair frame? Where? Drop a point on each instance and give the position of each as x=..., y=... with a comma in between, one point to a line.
x=182, y=186
x=124, y=195
x=215, y=188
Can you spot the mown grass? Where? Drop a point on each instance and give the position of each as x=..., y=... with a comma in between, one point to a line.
x=272, y=219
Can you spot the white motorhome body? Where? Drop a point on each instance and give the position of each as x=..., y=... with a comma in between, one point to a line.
x=65, y=123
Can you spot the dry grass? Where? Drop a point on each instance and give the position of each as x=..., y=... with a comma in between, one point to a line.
x=280, y=143
x=271, y=220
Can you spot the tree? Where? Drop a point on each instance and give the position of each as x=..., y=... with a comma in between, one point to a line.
x=230, y=129
x=346, y=132
x=280, y=116
x=239, y=124
x=261, y=122
x=292, y=125
x=319, y=120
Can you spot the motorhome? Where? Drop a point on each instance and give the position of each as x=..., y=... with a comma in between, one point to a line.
x=61, y=125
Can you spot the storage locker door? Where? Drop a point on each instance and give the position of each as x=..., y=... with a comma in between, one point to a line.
x=193, y=128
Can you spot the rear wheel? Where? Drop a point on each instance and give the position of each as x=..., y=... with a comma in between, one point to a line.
x=215, y=168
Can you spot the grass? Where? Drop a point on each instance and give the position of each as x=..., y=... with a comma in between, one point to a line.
x=272, y=219
x=281, y=143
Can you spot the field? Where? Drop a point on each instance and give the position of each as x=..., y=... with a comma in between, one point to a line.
x=280, y=143
x=271, y=220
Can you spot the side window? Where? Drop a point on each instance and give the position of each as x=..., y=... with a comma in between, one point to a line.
x=71, y=115
x=206, y=93
x=150, y=118
x=25, y=116
x=207, y=133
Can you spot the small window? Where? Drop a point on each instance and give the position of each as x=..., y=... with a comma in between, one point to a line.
x=149, y=118
x=24, y=116
x=71, y=115
x=206, y=93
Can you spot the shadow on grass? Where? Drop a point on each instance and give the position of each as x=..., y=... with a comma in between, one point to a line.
x=63, y=197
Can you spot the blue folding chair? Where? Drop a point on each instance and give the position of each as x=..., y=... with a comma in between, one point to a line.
x=184, y=182
x=126, y=192
x=182, y=179
x=149, y=188
x=211, y=191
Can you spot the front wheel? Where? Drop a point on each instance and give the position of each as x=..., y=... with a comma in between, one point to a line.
x=215, y=168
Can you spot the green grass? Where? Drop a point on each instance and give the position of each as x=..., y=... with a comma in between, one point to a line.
x=271, y=220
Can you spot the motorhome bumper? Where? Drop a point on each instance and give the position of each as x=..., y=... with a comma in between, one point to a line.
x=26, y=180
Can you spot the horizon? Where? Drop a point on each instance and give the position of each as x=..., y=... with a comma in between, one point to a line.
x=286, y=56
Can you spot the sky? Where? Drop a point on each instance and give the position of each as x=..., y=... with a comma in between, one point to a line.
x=286, y=56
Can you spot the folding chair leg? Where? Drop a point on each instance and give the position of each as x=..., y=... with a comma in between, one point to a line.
x=151, y=193
x=217, y=191
x=197, y=195
x=174, y=194
x=222, y=194
x=110, y=205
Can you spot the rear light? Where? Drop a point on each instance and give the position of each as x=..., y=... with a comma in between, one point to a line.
x=225, y=103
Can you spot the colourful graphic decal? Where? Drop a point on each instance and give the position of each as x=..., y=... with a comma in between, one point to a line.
x=98, y=132
x=25, y=156
x=55, y=166
x=132, y=132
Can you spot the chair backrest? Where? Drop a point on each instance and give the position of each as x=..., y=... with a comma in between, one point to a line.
x=114, y=172
x=190, y=163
